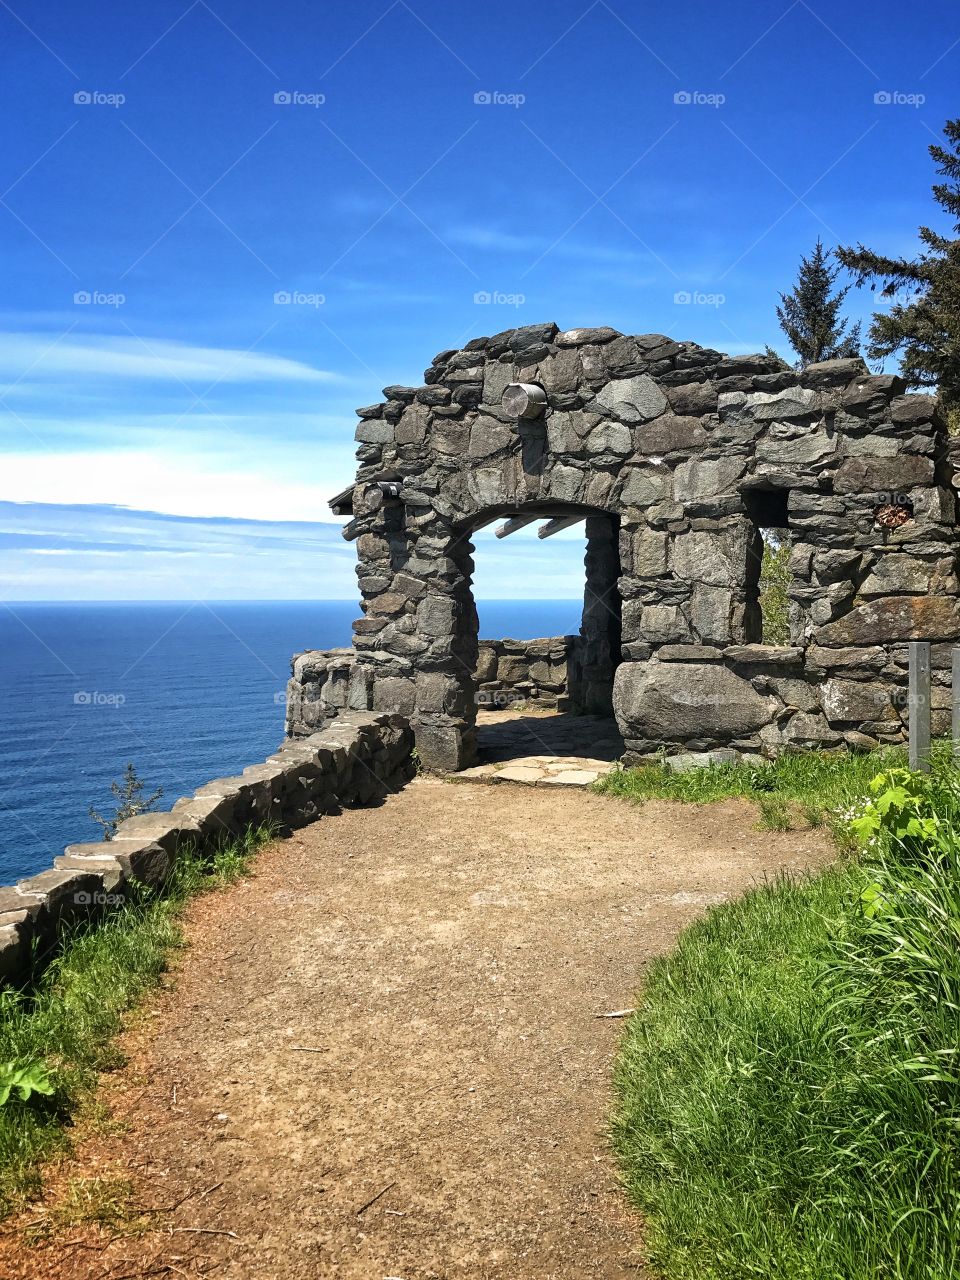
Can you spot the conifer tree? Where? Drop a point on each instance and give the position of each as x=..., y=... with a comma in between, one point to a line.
x=923, y=324
x=810, y=314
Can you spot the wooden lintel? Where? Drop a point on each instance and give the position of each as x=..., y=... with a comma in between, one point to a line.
x=554, y=526
x=515, y=523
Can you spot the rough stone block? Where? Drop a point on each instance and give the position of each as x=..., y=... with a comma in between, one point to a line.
x=675, y=702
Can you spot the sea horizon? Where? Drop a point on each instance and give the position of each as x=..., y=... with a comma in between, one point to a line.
x=185, y=690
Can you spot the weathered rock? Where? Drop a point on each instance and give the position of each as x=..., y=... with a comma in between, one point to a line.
x=671, y=434
x=898, y=618
x=882, y=475
x=633, y=400
x=856, y=701
x=580, y=337
x=671, y=702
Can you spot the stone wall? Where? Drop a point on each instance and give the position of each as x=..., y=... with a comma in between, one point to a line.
x=355, y=761
x=541, y=672
x=677, y=457
x=517, y=671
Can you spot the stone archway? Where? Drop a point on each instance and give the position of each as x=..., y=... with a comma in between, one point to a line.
x=678, y=444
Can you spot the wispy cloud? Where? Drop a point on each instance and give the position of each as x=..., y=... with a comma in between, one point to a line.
x=265, y=484
x=499, y=241
x=100, y=355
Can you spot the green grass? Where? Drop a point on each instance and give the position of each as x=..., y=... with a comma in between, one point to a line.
x=810, y=786
x=69, y=1019
x=789, y=1088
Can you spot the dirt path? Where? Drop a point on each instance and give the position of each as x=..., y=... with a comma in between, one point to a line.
x=400, y=1010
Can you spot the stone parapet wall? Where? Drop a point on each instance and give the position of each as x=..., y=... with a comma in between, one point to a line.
x=355, y=761
x=533, y=671
x=325, y=682
x=545, y=672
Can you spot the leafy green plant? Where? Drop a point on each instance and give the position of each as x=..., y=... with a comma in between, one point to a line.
x=789, y=1087
x=24, y=1077
x=902, y=810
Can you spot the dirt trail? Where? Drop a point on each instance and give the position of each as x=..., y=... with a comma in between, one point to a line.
x=399, y=1010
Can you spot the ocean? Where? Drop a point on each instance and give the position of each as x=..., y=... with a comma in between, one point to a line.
x=184, y=691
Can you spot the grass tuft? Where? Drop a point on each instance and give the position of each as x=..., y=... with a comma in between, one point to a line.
x=789, y=1087
x=68, y=1021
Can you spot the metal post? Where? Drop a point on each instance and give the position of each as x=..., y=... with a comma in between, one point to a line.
x=919, y=702
x=955, y=690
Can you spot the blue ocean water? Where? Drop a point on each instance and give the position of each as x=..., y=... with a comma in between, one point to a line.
x=186, y=691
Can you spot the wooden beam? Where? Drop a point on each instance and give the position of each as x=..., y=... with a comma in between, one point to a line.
x=515, y=523
x=554, y=526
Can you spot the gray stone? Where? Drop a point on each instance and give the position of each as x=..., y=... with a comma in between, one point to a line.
x=645, y=486
x=707, y=557
x=633, y=400
x=374, y=431
x=685, y=761
x=764, y=654
x=882, y=475
x=710, y=612
x=832, y=373
x=579, y=337
x=609, y=437
x=897, y=574
x=809, y=730
x=856, y=701
x=897, y=618
x=671, y=434
x=488, y=436
x=435, y=615
x=700, y=479
x=673, y=702
x=693, y=399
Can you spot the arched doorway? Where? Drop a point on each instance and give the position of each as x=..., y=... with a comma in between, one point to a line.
x=550, y=697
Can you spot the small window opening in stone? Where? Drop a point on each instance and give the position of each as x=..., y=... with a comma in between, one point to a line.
x=767, y=618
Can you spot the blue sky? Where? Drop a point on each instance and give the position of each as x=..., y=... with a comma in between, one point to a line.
x=170, y=169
